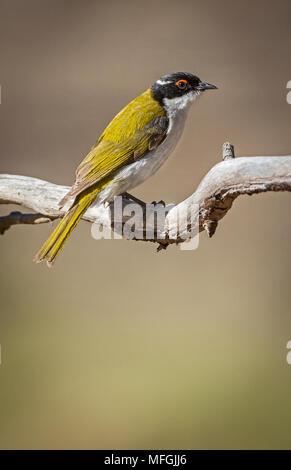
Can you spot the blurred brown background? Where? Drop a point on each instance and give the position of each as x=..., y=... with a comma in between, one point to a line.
x=118, y=346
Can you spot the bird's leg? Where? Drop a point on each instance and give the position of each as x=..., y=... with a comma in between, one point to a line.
x=140, y=202
x=134, y=199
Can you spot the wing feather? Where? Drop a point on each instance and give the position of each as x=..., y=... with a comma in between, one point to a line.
x=140, y=127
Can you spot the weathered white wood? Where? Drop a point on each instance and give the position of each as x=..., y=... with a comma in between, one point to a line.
x=213, y=197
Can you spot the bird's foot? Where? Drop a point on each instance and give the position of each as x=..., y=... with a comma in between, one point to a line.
x=160, y=202
x=134, y=199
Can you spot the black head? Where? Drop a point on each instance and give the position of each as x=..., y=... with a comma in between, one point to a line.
x=178, y=84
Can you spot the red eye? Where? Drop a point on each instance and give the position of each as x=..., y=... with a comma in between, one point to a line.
x=181, y=84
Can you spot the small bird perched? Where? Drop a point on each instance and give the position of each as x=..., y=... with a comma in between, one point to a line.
x=131, y=149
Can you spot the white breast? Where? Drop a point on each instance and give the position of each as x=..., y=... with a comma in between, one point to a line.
x=136, y=173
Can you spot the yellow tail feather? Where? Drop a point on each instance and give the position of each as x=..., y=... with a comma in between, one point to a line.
x=55, y=242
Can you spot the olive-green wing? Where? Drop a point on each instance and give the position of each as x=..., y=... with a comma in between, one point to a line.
x=108, y=156
x=130, y=136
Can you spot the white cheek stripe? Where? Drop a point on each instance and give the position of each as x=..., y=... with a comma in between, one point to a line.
x=163, y=82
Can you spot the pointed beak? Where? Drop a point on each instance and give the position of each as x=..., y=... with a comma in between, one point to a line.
x=206, y=86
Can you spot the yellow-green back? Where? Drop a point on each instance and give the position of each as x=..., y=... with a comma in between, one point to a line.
x=134, y=117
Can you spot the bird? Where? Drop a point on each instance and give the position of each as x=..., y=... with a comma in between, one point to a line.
x=132, y=148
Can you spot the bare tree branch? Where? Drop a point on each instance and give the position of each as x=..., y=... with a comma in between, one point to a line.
x=15, y=218
x=214, y=197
